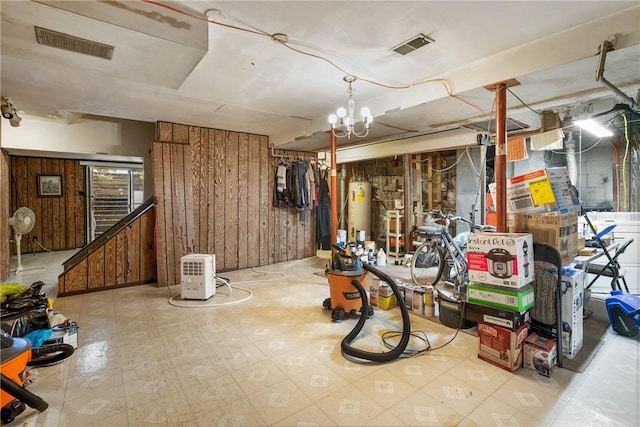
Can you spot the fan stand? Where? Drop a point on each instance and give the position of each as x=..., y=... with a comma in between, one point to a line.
x=20, y=268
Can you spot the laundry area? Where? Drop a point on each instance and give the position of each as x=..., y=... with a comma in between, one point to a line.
x=328, y=213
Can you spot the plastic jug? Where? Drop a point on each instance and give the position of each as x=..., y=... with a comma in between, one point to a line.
x=381, y=258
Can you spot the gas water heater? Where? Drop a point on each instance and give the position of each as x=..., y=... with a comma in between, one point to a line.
x=359, y=209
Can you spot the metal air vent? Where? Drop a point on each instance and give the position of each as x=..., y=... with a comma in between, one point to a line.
x=71, y=43
x=413, y=44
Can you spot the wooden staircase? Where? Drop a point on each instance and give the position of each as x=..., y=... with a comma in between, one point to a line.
x=122, y=256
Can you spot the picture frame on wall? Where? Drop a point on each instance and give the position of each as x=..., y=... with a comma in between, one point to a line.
x=49, y=185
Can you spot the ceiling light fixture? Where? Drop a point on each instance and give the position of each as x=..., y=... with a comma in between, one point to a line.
x=10, y=112
x=594, y=127
x=344, y=118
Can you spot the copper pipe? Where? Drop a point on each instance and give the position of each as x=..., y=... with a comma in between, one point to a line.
x=501, y=158
x=334, y=193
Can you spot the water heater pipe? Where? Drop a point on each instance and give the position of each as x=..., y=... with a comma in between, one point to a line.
x=343, y=196
x=334, y=194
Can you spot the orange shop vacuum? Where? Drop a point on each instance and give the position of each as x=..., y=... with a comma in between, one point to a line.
x=15, y=354
x=349, y=296
x=345, y=298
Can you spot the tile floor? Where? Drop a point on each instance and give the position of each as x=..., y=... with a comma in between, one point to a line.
x=275, y=359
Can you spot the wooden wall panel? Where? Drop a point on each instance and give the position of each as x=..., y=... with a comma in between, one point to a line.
x=110, y=263
x=219, y=211
x=208, y=170
x=60, y=221
x=221, y=202
x=5, y=232
x=266, y=189
x=121, y=265
x=243, y=201
x=133, y=253
x=76, y=278
x=253, y=201
x=196, y=180
x=147, y=254
x=96, y=269
x=231, y=201
x=157, y=150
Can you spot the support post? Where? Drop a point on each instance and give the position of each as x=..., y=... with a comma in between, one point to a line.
x=334, y=194
x=501, y=157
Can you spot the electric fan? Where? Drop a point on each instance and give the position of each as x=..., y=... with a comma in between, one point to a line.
x=22, y=222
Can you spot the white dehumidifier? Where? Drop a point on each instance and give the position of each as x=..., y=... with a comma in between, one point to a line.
x=198, y=276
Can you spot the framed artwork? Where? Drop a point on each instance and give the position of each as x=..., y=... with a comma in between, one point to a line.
x=49, y=185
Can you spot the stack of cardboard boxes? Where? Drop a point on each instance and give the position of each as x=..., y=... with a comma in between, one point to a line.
x=501, y=272
x=542, y=206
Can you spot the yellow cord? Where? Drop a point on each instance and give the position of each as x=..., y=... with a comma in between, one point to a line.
x=624, y=161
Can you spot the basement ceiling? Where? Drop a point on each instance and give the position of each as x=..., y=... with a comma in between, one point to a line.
x=277, y=68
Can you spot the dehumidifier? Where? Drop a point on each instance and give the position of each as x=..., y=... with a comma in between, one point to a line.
x=197, y=276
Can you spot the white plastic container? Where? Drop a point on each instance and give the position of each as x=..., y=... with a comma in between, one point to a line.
x=381, y=258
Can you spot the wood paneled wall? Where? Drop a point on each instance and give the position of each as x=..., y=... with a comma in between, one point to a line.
x=214, y=194
x=126, y=259
x=60, y=221
x=5, y=229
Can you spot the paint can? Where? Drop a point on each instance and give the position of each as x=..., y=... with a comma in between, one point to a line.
x=373, y=295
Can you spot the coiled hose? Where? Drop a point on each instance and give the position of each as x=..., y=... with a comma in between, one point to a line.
x=406, y=323
x=50, y=354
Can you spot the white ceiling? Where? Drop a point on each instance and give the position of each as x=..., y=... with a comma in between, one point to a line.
x=177, y=67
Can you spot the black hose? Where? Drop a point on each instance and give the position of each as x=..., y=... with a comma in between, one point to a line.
x=406, y=323
x=22, y=394
x=50, y=354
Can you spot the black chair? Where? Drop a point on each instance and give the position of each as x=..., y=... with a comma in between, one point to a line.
x=611, y=269
x=546, y=315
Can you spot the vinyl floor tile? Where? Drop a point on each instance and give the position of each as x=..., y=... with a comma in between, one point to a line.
x=276, y=359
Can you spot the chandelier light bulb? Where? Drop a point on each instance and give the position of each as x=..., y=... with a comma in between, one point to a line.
x=347, y=126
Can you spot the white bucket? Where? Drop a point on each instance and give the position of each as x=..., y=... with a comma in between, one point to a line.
x=361, y=235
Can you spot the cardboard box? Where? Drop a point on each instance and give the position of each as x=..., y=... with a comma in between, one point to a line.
x=516, y=299
x=540, y=354
x=572, y=311
x=508, y=319
x=501, y=346
x=504, y=259
x=540, y=191
x=556, y=229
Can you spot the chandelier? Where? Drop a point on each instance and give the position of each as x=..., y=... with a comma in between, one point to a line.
x=343, y=123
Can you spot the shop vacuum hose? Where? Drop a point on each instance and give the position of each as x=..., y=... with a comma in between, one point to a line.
x=406, y=323
x=22, y=394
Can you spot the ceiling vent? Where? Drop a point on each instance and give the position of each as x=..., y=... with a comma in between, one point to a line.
x=413, y=44
x=513, y=125
x=73, y=44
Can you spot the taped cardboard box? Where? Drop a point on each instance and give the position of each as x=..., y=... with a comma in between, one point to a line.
x=559, y=230
x=540, y=354
x=504, y=259
x=516, y=299
x=500, y=346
